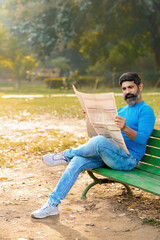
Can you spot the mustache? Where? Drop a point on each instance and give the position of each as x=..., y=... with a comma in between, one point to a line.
x=130, y=95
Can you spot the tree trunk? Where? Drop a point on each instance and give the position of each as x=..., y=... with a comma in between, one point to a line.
x=19, y=84
x=153, y=21
x=157, y=57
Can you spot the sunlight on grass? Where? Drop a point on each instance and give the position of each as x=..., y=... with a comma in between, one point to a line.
x=62, y=107
x=39, y=143
x=28, y=144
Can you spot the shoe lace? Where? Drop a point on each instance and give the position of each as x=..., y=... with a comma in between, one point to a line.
x=46, y=205
x=60, y=156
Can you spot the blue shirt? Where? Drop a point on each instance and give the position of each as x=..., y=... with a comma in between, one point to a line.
x=140, y=117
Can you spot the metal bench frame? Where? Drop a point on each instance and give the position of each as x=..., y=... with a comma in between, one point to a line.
x=145, y=176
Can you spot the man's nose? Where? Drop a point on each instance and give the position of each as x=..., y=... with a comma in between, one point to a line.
x=128, y=91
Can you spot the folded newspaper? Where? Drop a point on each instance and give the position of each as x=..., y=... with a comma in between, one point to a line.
x=100, y=112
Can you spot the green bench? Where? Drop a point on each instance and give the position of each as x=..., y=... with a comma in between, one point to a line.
x=146, y=175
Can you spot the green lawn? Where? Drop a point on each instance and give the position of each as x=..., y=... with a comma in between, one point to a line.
x=28, y=144
x=41, y=88
x=68, y=107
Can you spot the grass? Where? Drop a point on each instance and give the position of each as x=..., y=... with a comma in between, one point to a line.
x=152, y=222
x=63, y=107
x=29, y=88
x=30, y=143
x=40, y=87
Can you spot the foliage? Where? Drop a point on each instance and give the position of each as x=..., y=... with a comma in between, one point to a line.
x=61, y=63
x=110, y=35
x=5, y=62
x=34, y=24
x=55, y=82
x=14, y=61
x=22, y=65
x=153, y=222
x=130, y=27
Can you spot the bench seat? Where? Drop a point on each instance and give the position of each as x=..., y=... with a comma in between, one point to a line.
x=145, y=176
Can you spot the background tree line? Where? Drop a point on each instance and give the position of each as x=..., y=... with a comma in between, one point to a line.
x=87, y=37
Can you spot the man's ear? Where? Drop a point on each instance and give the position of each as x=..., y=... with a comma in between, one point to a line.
x=141, y=86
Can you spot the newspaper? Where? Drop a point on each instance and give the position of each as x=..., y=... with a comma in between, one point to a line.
x=100, y=112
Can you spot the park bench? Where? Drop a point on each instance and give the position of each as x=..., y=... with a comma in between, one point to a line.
x=145, y=176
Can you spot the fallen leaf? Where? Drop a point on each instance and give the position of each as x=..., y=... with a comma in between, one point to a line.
x=3, y=178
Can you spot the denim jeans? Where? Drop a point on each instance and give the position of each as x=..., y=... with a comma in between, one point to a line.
x=97, y=152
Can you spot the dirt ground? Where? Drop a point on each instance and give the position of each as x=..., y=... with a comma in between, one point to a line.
x=107, y=213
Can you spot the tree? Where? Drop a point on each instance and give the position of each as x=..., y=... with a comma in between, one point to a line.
x=22, y=65
x=14, y=62
x=35, y=25
x=33, y=22
x=97, y=26
x=98, y=29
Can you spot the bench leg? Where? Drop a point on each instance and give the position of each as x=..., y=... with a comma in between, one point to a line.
x=95, y=181
x=100, y=181
x=129, y=192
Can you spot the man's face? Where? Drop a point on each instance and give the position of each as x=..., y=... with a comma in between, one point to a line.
x=131, y=92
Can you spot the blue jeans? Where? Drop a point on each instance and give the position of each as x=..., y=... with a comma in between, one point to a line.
x=97, y=152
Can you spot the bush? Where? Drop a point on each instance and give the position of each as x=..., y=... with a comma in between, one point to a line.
x=56, y=82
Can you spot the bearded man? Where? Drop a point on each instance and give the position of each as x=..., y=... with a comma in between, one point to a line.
x=136, y=121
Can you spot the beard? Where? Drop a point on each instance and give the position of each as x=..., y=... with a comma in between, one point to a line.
x=131, y=98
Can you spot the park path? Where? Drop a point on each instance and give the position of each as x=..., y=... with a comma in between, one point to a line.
x=60, y=95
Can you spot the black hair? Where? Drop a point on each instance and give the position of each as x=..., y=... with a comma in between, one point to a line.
x=130, y=76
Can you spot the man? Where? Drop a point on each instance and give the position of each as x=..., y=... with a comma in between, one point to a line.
x=136, y=121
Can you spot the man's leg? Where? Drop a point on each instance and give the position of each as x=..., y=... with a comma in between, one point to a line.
x=98, y=147
x=76, y=165
x=101, y=148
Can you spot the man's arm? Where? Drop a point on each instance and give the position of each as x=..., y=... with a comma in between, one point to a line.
x=145, y=126
x=121, y=123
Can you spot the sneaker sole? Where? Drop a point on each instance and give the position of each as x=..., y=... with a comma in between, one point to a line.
x=48, y=215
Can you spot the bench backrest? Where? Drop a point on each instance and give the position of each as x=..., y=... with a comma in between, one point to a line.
x=151, y=161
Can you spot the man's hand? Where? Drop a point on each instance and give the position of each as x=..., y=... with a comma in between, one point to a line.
x=120, y=122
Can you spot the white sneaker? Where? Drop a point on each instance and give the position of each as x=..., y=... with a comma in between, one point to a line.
x=46, y=210
x=54, y=159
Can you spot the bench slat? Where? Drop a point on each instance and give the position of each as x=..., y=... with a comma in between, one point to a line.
x=136, y=176
x=153, y=151
x=148, y=168
x=156, y=133
x=151, y=176
x=128, y=177
x=151, y=160
x=154, y=142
